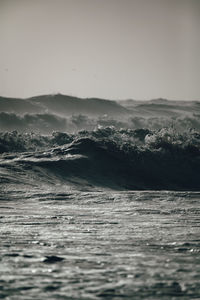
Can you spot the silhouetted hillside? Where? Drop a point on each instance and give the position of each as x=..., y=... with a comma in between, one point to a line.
x=19, y=106
x=161, y=107
x=62, y=105
x=48, y=113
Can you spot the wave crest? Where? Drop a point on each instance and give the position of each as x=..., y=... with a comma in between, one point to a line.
x=131, y=159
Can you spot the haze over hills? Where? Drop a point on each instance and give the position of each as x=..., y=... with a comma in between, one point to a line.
x=65, y=105
x=47, y=113
x=62, y=105
x=18, y=105
x=161, y=107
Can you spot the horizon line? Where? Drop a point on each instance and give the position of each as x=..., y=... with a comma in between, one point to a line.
x=94, y=97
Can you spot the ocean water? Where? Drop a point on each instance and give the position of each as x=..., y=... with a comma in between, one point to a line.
x=100, y=215
x=99, y=244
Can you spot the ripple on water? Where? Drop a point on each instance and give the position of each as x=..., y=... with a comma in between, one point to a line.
x=100, y=245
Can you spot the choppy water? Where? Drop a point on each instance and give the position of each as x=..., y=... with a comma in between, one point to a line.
x=71, y=226
x=65, y=244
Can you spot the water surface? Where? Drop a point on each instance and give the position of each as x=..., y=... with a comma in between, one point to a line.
x=67, y=244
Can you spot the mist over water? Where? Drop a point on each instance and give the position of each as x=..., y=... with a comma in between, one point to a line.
x=44, y=114
x=99, y=199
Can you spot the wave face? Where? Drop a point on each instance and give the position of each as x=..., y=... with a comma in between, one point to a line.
x=105, y=157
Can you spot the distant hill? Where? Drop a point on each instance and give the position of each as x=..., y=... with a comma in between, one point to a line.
x=19, y=106
x=62, y=105
x=161, y=107
x=47, y=113
x=65, y=106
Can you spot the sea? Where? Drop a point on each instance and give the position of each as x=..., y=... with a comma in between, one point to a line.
x=102, y=214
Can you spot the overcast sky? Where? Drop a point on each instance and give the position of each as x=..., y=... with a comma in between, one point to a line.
x=115, y=49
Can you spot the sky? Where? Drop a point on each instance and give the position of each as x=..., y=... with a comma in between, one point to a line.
x=113, y=49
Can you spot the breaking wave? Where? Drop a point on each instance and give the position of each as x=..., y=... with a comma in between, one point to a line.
x=105, y=157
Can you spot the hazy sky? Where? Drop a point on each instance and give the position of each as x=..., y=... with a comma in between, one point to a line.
x=117, y=49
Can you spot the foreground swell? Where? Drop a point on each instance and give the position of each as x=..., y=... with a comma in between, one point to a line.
x=59, y=244
x=106, y=157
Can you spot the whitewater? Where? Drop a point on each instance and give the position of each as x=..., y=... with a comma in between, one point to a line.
x=101, y=214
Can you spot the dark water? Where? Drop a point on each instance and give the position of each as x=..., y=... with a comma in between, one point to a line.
x=99, y=245
x=106, y=157
x=107, y=214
